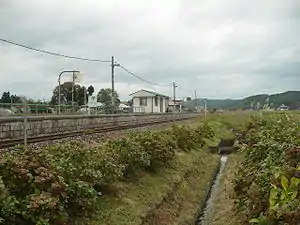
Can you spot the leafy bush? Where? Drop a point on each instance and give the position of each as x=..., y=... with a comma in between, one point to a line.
x=203, y=131
x=155, y=144
x=129, y=154
x=8, y=205
x=77, y=165
x=57, y=184
x=74, y=161
x=188, y=139
x=271, y=147
x=37, y=192
x=185, y=137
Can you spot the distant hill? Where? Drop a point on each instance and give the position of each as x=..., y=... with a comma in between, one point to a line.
x=289, y=98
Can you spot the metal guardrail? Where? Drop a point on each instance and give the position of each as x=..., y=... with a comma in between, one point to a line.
x=18, y=109
x=43, y=109
x=35, y=109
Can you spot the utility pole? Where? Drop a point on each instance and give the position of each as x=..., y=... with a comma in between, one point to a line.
x=73, y=83
x=25, y=108
x=113, y=83
x=174, y=95
x=113, y=97
x=205, y=107
x=84, y=94
x=196, y=100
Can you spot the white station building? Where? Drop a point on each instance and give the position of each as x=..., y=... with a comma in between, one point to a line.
x=144, y=101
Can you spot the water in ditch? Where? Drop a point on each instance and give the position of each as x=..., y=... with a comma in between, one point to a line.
x=207, y=214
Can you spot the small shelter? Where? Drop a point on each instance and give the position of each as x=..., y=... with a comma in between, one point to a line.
x=149, y=102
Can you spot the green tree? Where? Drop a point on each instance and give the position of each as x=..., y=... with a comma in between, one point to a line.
x=105, y=97
x=8, y=98
x=5, y=98
x=16, y=99
x=66, y=94
x=90, y=90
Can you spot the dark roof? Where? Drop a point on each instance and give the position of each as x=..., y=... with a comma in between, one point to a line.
x=152, y=92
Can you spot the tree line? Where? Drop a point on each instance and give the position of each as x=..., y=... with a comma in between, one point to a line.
x=81, y=94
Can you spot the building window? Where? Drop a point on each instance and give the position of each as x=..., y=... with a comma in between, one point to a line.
x=143, y=101
x=156, y=101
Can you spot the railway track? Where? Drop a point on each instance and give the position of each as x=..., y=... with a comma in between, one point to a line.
x=13, y=142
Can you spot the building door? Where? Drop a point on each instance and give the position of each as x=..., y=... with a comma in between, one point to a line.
x=161, y=104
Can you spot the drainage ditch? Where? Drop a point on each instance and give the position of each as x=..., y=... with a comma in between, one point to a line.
x=226, y=146
x=205, y=216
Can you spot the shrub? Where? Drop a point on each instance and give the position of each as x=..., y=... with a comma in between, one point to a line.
x=37, y=192
x=52, y=184
x=270, y=147
x=156, y=145
x=57, y=184
x=8, y=205
x=203, y=131
x=188, y=138
x=82, y=199
x=129, y=154
x=185, y=137
x=78, y=165
x=74, y=161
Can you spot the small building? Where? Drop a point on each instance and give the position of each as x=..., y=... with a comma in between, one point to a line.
x=124, y=108
x=283, y=107
x=145, y=101
x=178, y=105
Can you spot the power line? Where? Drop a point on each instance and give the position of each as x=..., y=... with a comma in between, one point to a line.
x=53, y=53
x=143, y=79
x=77, y=58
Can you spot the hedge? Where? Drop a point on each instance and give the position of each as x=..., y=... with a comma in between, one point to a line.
x=57, y=184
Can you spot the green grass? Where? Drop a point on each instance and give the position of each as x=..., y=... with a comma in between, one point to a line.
x=137, y=199
x=182, y=205
x=236, y=120
x=220, y=126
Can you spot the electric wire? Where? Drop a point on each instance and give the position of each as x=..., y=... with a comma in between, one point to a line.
x=143, y=79
x=53, y=53
x=78, y=58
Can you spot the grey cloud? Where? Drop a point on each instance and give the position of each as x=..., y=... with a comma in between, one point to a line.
x=221, y=48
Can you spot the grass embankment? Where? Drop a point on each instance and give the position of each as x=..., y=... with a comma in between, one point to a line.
x=123, y=181
x=173, y=195
x=169, y=197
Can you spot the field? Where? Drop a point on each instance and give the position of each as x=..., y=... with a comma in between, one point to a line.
x=159, y=177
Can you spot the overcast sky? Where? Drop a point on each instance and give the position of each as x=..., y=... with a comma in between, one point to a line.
x=221, y=48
